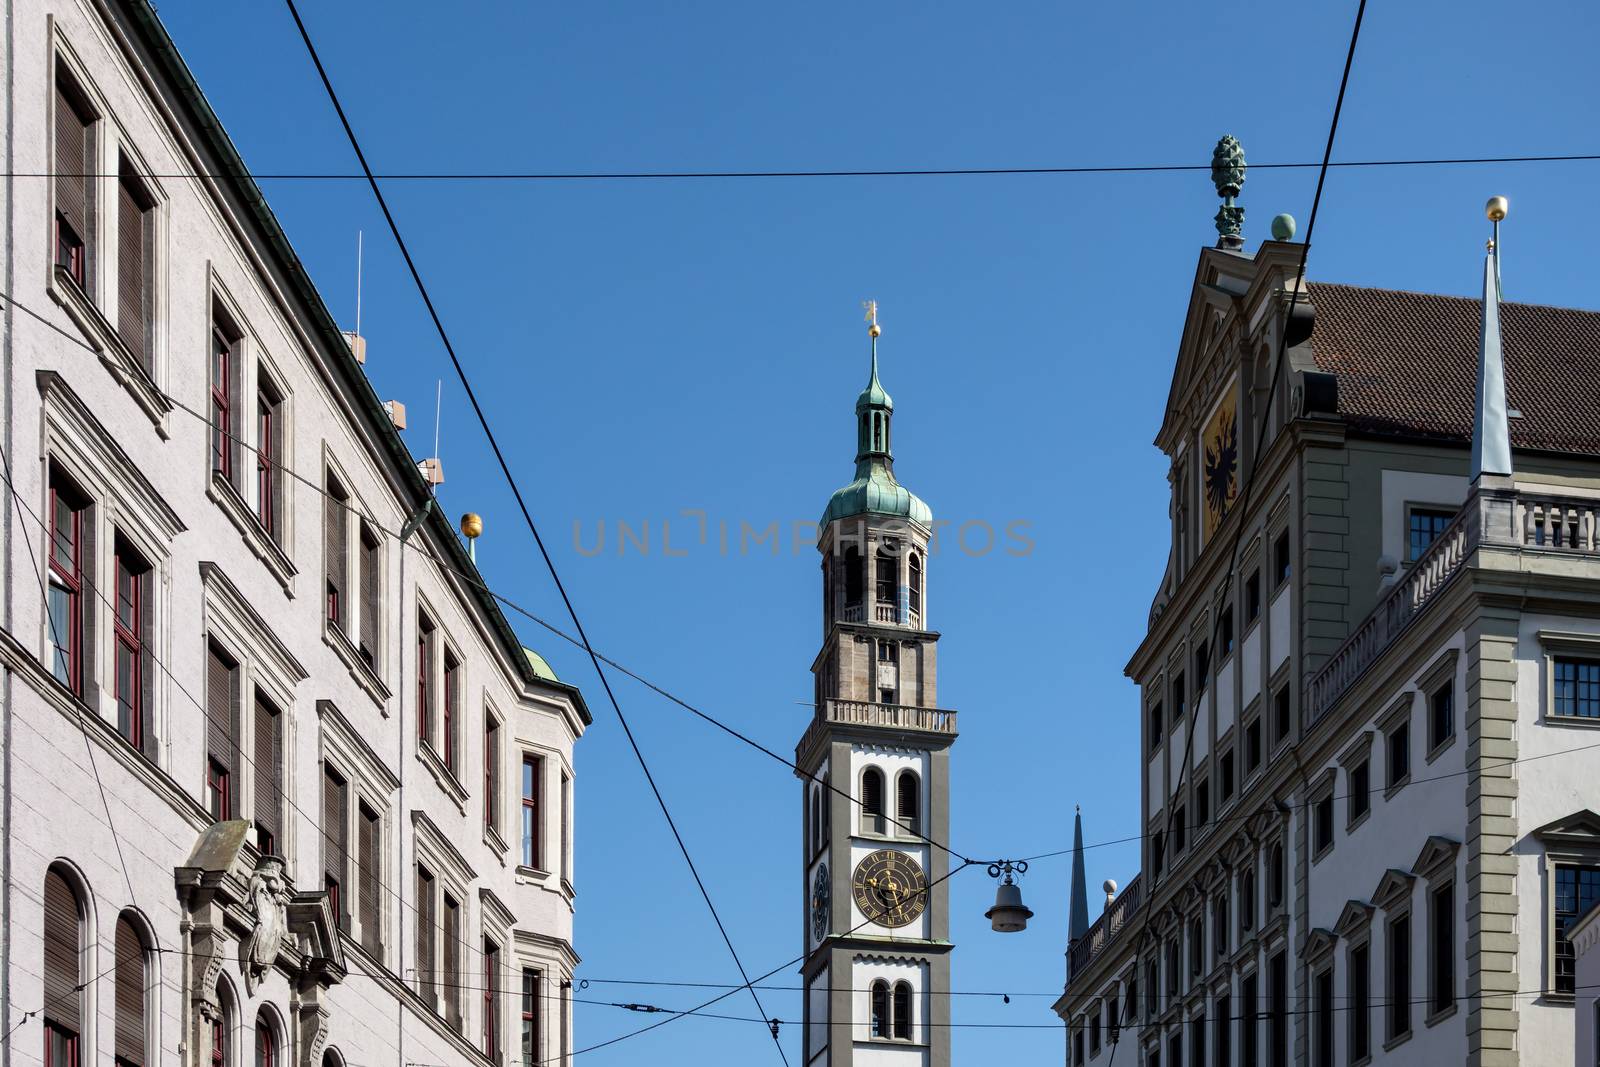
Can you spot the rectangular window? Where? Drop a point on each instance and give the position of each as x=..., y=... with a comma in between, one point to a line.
x=1180, y=838
x=1175, y=1049
x=371, y=595
x=336, y=551
x=135, y=246
x=888, y=652
x=1158, y=728
x=1424, y=525
x=491, y=772
x=1282, y=718
x=1280, y=560
x=222, y=731
x=425, y=935
x=74, y=191
x=224, y=376
x=1077, y=1046
x=1094, y=1033
x=1202, y=806
x=268, y=763
x=1252, y=597
x=1222, y=1033
x=335, y=844
x=425, y=686
x=450, y=720
x=491, y=1000
x=1360, y=1009
x=269, y=461
x=1577, y=890
x=531, y=996
x=1252, y=746
x=451, y=981
x=1398, y=994
x=369, y=867
x=1577, y=688
x=1399, y=755
x=532, y=778
x=1158, y=852
x=1114, y=1016
x=131, y=626
x=566, y=827
x=1197, y=1041
x=1202, y=666
x=1441, y=715
x=1249, y=1021
x=887, y=696
x=1322, y=1033
x=1225, y=635
x=1442, y=948
x=1322, y=825
x=1278, y=1024
x=1226, y=773
x=1360, y=791
x=69, y=528
x=1178, y=707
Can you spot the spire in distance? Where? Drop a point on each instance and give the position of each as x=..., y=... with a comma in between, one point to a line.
x=1491, y=430
x=1078, y=922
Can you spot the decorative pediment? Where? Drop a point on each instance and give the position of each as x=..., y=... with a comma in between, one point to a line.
x=1394, y=889
x=1320, y=942
x=1581, y=829
x=1356, y=917
x=1263, y=822
x=1437, y=854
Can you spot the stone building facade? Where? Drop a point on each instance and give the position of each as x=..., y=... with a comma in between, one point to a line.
x=280, y=787
x=1368, y=810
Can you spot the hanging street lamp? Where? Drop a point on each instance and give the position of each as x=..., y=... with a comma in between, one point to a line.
x=1009, y=914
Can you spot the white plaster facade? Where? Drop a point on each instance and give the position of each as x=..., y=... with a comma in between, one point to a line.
x=128, y=816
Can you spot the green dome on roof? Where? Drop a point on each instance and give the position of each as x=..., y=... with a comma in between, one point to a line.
x=874, y=490
x=539, y=665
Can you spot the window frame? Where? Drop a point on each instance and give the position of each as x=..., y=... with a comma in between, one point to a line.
x=531, y=854
x=69, y=577
x=1432, y=512
x=1399, y=977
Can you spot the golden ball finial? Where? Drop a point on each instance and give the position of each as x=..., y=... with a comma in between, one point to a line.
x=1496, y=208
x=472, y=525
x=874, y=330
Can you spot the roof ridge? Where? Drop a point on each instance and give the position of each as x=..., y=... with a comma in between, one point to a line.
x=1448, y=296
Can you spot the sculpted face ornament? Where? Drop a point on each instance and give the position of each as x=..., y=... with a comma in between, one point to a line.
x=268, y=896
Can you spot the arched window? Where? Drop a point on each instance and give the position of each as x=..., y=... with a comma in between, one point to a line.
x=827, y=806
x=266, y=1041
x=916, y=586
x=854, y=580
x=1247, y=899
x=887, y=577
x=877, y=433
x=63, y=966
x=880, y=1008
x=816, y=819
x=827, y=587
x=1275, y=876
x=907, y=795
x=902, y=1010
x=222, y=1027
x=872, y=801
x=132, y=986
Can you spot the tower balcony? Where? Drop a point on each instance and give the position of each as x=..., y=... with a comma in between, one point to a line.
x=904, y=717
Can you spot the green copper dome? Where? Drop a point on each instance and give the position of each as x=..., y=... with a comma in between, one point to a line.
x=874, y=490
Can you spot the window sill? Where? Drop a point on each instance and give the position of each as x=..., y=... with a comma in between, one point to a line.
x=1396, y=1041
x=109, y=346
x=226, y=496
x=1318, y=855
x=335, y=638
x=443, y=775
x=1355, y=824
x=1440, y=748
x=1390, y=791
x=496, y=843
x=1436, y=1017
x=1582, y=722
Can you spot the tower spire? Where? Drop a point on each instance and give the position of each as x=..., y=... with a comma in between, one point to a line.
x=1491, y=432
x=1078, y=910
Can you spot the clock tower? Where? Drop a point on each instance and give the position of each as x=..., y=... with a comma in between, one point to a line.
x=876, y=932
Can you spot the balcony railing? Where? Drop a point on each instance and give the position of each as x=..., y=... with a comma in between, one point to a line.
x=885, y=612
x=893, y=716
x=1492, y=517
x=1105, y=929
x=853, y=612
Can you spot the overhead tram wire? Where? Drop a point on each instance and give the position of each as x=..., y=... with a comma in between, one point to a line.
x=527, y=515
x=900, y=172
x=1241, y=508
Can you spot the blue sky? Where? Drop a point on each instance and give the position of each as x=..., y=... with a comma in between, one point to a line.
x=646, y=348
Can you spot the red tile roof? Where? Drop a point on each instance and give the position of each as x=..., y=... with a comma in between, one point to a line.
x=1407, y=365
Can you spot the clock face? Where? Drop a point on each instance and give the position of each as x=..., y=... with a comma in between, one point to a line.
x=890, y=888
x=819, y=903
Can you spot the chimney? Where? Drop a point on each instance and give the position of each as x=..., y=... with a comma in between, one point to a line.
x=397, y=413
x=358, y=345
x=432, y=471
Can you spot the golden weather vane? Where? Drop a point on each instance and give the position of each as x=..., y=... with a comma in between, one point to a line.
x=871, y=308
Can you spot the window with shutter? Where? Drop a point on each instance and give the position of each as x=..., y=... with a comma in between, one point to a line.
x=335, y=844
x=74, y=140
x=222, y=731
x=269, y=460
x=368, y=853
x=451, y=980
x=268, y=776
x=335, y=548
x=135, y=219
x=371, y=584
x=491, y=772
x=872, y=801
x=908, y=791
x=491, y=1000
x=450, y=721
x=129, y=995
x=425, y=935
x=63, y=954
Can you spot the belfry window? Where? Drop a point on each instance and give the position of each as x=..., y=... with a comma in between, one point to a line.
x=880, y=1008
x=902, y=1011
x=916, y=585
x=872, y=801
x=854, y=580
x=886, y=578
x=908, y=795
